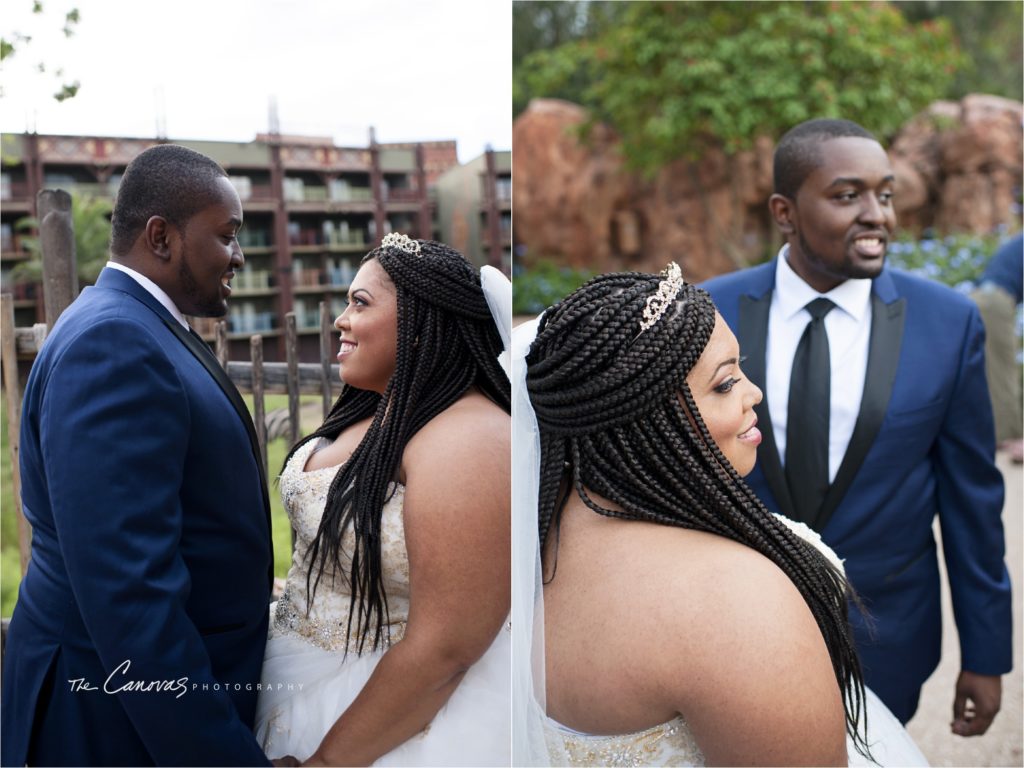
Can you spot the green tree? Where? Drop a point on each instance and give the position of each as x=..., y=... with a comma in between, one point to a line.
x=14, y=42
x=991, y=37
x=541, y=25
x=675, y=79
x=91, y=219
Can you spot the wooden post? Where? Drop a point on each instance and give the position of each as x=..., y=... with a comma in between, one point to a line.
x=259, y=415
x=491, y=203
x=57, y=239
x=9, y=361
x=221, y=342
x=325, y=356
x=291, y=347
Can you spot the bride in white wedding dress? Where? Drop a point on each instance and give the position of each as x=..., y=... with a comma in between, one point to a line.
x=390, y=644
x=661, y=615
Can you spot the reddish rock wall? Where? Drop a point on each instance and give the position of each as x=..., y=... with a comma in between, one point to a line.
x=958, y=165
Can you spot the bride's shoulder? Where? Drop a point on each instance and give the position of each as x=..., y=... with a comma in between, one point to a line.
x=469, y=441
x=708, y=593
x=735, y=640
x=727, y=584
x=471, y=424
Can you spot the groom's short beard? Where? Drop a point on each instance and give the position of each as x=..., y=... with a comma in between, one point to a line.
x=202, y=305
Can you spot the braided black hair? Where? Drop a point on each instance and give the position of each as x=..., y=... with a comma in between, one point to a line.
x=617, y=418
x=447, y=343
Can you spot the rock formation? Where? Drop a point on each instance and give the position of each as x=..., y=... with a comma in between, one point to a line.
x=958, y=165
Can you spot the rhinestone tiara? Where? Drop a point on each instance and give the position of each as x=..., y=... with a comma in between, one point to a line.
x=672, y=282
x=401, y=242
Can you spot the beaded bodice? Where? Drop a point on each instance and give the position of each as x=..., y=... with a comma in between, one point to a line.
x=326, y=624
x=670, y=743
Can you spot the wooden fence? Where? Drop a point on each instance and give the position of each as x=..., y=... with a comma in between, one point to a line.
x=254, y=376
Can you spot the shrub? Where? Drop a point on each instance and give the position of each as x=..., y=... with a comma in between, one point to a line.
x=542, y=284
x=956, y=260
x=677, y=78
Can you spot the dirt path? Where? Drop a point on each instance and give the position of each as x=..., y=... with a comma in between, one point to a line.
x=1002, y=745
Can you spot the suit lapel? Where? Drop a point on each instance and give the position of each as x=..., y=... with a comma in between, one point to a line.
x=203, y=354
x=115, y=280
x=753, y=340
x=883, y=358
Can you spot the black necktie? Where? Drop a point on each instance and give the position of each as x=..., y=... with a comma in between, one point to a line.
x=808, y=421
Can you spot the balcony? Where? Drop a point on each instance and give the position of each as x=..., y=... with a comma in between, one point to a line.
x=402, y=195
x=14, y=190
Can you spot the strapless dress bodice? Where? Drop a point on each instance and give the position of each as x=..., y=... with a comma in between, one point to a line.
x=669, y=743
x=324, y=620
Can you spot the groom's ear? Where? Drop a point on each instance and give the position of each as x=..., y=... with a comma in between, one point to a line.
x=157, y=235
x=783, y=211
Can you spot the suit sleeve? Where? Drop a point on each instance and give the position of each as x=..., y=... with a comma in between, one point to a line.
x=970, y=494
x=114, y=428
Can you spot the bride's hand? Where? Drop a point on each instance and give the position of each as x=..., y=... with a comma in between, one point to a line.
x=314, y=760
x=286, y=761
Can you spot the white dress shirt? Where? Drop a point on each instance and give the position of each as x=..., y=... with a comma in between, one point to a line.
x=153, y=289
x=848, y=328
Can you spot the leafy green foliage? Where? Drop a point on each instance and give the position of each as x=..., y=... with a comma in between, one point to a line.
x=10, y=560
x=14, y=41
x=542, y=284
x=90, y=216
x=990, y=34
x=675, y=79
x=540, y=25
x=67, y=91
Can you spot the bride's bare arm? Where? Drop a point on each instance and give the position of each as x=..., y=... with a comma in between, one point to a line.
x=457, y=536
x=759, y=687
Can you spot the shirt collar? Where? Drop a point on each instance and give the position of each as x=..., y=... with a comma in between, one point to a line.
x=793, y=294
x=154, y=290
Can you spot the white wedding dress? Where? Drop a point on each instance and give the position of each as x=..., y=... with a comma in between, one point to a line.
x=672, y=743
x=308, y=681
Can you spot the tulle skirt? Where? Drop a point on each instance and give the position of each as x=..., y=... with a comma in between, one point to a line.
x=888, y=740
x=305, y=689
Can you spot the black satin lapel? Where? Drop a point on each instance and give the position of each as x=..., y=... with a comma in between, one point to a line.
x=883, y=359
x=752, y=335
x=203, y=354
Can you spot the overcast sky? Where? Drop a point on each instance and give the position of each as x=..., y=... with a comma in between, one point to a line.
x=413, y=69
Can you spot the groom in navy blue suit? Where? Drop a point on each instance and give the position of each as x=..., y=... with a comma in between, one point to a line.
x=876, y=419
x=140, y=626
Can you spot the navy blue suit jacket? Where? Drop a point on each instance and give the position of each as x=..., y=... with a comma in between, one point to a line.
x=923, y=445
x=151, y=550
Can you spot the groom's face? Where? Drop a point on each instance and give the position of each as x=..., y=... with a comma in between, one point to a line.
x=209, y=254
x=839, y=224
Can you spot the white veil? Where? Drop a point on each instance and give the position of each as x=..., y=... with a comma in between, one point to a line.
x=528, y=747
x=528, y=699
x=498, y=293
x=527, y=597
